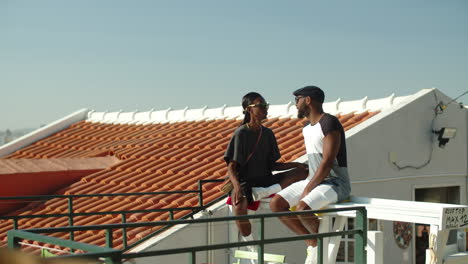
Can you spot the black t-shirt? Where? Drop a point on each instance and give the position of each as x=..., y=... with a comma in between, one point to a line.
x=257, y=171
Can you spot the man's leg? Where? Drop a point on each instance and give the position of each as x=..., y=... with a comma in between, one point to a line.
x=279, y=204
x=311, y=222
x=318, y=198
x=284, y=179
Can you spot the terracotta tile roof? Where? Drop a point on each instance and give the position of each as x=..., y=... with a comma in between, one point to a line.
x=17, y=166
x=154, y=157
x=21, y=177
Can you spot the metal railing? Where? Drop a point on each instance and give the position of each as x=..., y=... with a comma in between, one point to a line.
x=113, y=256
x=71, y=214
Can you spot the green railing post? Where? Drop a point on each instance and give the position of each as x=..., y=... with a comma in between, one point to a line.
x=320, y=250
x=109, y=240
x=193, y=257
x=13, y=242
x=360, y=255
x=70, y=217
x=109, y=244
x=15, y=223
x=114, y=259
x=124, y=231
x=171, y=214
x=200, y=193
x=261, y=246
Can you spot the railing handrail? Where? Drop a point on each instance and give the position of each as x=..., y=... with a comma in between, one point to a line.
x=71, y=214
x=165, y=228
x=9, y=217
x=52, y=196
x=186, y=221
x=52, y=240
x=116, y=256
x=217, y=246
x=240, y=244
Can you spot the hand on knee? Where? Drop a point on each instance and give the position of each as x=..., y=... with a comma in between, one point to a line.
x=302, y=206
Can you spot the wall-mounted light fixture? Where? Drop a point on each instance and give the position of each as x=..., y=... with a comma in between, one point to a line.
x=445, y=134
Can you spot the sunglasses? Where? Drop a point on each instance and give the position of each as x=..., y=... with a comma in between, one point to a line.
x=263, y=105
x=298, y=97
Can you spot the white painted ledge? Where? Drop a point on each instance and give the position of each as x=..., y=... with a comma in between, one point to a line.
x=43, y=132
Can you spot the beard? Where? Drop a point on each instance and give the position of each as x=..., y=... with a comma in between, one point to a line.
x=303, y=112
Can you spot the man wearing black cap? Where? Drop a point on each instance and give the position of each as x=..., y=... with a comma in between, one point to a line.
x=328, y=180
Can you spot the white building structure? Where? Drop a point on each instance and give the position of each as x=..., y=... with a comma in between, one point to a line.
x=396, y=154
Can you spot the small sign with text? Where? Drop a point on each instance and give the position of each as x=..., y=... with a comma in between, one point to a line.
x=455, y=218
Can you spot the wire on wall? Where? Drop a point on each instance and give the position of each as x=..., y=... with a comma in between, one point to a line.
x=438, y=110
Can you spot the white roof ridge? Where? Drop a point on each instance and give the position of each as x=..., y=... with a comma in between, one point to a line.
x=386, y=105
x=396, y=103
x=204, y=113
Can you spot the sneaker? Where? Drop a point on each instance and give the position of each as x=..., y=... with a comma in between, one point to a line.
x=311, y=255
x=252, y=249
x=248, y=238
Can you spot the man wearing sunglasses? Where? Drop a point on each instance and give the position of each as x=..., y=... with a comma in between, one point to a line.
x=328, y=180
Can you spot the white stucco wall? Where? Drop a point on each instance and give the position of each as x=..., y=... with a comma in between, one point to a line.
x=407, y=133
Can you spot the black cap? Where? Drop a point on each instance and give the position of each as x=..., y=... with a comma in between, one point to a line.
x=313, y=91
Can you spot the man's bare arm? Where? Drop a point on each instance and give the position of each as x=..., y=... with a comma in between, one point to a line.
x=331, y=146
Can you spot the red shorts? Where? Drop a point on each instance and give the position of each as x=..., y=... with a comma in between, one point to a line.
x=251, y=206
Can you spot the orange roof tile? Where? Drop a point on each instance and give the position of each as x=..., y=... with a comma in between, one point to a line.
x=154, y=157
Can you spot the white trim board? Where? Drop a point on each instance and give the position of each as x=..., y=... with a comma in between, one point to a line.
x=43, y=132
x=445, y=216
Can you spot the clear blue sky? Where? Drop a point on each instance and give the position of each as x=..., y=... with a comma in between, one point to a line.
x=60, y=56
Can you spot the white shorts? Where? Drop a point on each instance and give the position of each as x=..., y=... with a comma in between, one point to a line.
x=318, y=198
